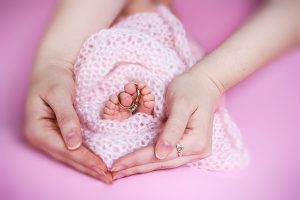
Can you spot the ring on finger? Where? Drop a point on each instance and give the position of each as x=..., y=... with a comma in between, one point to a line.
x=179, y=149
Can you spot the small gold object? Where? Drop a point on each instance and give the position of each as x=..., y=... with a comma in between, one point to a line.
x=179, y=150
x=135, y=101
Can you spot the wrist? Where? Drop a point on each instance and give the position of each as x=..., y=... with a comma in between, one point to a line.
x=208, y=78
x=206, y=89
x=221, y=68
x=52, y=58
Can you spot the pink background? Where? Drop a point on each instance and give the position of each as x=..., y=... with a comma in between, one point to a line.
x=266, y=107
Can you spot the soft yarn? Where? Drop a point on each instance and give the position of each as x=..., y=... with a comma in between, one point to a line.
x=151, y=47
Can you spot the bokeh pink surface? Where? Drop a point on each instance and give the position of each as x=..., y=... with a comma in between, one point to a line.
x=266, y=107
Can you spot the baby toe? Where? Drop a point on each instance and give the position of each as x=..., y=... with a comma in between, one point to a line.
x=109, y=111
x=148, y=97
x=146, y=90
x=110, y=105
x=114, y=99
x=149, y=104
x=106, y=116
x=125, y=99
x=130, y=88
x=141, y=85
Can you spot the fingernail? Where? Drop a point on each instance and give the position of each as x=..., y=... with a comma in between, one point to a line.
x=73, y=141
x=118, y=176
x=109, y=182
x=162, y=150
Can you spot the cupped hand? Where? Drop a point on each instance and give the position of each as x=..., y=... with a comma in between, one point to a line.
x=191, y=100
x=52, y=124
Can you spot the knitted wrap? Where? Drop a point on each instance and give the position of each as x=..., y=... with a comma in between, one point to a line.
x=151, y=47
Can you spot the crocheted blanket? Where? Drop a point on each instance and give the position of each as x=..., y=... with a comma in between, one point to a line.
x=151, y=47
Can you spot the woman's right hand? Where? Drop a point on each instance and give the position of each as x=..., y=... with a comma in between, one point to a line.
x=52, y=124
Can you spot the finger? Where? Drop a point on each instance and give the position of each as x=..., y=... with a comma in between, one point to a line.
x=190, y=143
x=87, y=158
x=50, y=141
x=80, y=159
x=61, y=103
x=200, y=125
x=96, y=174
x=165, y=164
x=179, y=114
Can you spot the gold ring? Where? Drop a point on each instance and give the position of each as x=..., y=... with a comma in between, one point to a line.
x=179, y=150
x=135, y=101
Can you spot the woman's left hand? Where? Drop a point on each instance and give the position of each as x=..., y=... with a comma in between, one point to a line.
x=191, y=101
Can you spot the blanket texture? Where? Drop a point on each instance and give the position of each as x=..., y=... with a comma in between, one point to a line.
x=151, y=47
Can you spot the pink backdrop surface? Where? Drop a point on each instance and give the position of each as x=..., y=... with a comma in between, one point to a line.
x=266, y=107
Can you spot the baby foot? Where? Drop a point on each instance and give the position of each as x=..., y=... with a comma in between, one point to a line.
x=113, y=110
x=146, y=103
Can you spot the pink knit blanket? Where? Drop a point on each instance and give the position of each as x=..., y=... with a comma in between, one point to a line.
x=150, y=47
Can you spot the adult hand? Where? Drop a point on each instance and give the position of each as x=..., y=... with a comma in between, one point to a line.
x=52, y=124
x=191, y=100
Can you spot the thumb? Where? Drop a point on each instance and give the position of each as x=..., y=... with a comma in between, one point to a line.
x=174, y=128
x=68, y=122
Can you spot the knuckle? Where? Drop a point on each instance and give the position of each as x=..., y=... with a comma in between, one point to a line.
x=55, y=91
x=68, y=124
x=66, y=119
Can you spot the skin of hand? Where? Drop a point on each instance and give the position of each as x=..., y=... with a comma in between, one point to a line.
x=272, y=30
x=190, y=117
x=51, y=119
x=51, y=123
